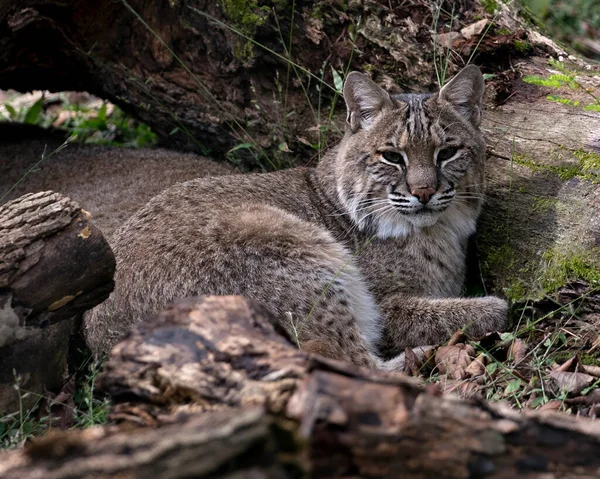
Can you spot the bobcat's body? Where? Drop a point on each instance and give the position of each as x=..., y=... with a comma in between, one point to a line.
x=358, y=258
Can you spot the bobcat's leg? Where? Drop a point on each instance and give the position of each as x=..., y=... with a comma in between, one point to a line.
x=415, y=321
x=320, y=296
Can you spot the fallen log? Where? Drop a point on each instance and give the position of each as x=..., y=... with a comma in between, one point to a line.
x=54, y=265
x=235, y=444
x=540, y=217
x=221, y=357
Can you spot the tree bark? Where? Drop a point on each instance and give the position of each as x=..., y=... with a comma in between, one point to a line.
x=212, y=75
x=221, y=356
x=54, y=265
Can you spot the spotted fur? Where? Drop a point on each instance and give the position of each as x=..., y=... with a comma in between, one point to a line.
x=358, y=258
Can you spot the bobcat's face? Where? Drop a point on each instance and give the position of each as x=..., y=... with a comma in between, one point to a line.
x=409, y=161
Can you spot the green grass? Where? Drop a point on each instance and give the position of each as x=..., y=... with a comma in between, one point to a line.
x=81, y=408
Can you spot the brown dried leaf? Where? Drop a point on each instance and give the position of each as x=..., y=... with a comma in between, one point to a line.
x=447, y=40
x=477, y=366
x=465, y=389
x=458, y=337
x=428, y=357
x=592, y=398
x=517, y=350
x=412, y=364
x=550, y=406
x=573, y=383
x=591, y=370
x=474, y=29
x=453, y=360
x=61, y=408
x=569, y=365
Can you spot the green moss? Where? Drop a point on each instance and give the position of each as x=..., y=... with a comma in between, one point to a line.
x=503, y=31
x=317, y=13
x=490, y=6
x=522, y=46
x=589, y=360
x=517, y=291
x=589, y=161
x=246, y=16
x=563, y=172
x=499, y=261
x=562, y=267
x=543, y=204
x=586, y=359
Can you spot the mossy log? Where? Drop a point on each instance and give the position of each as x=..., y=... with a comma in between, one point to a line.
x=231, y=397
x=54, y=265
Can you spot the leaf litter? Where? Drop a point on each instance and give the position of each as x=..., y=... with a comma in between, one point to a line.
x=549, y=362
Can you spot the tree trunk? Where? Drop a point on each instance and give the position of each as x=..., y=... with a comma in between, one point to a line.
x=54, y=265
x=221, y=356
x=212, y=75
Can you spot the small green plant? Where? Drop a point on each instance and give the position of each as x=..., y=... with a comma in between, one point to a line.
x=15, y=428
x=91, y=121
x=565, y=79
x=89, y=409
x=86, y=409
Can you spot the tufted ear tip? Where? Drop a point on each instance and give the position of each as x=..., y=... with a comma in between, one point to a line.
x=465, y=92
x=365, y=100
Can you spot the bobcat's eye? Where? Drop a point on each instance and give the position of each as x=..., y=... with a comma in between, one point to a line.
x=446, y=153
x=393, y=157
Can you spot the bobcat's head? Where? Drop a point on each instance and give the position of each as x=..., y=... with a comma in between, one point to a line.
x=410, y=161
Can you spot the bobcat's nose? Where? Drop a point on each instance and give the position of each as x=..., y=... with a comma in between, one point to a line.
x=423, y=193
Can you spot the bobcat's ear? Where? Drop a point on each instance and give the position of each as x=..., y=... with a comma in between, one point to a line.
x=464, y=92
x=365, y=100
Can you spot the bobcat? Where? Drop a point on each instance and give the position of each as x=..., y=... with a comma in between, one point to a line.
x=358, y=258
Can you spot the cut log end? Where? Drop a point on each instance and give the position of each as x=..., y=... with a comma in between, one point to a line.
x=54, y=265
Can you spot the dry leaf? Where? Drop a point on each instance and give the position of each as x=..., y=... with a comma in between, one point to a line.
x=474, y=29
x=573, y=383
x=447, y=40
x=569, y=365
x=591, y=370
x=465, y=389
x=477, y=366
x=517, y=350
x=550, y=406
x=458, y=337
x=592, y=398
x=60, y=409
x=453, y=360
x=594, y=410
x=412, y=364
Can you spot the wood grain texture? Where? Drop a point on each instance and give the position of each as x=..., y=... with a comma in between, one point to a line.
x=54, y=265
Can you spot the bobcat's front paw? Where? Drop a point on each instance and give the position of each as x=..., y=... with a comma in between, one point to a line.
x=491, y=316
